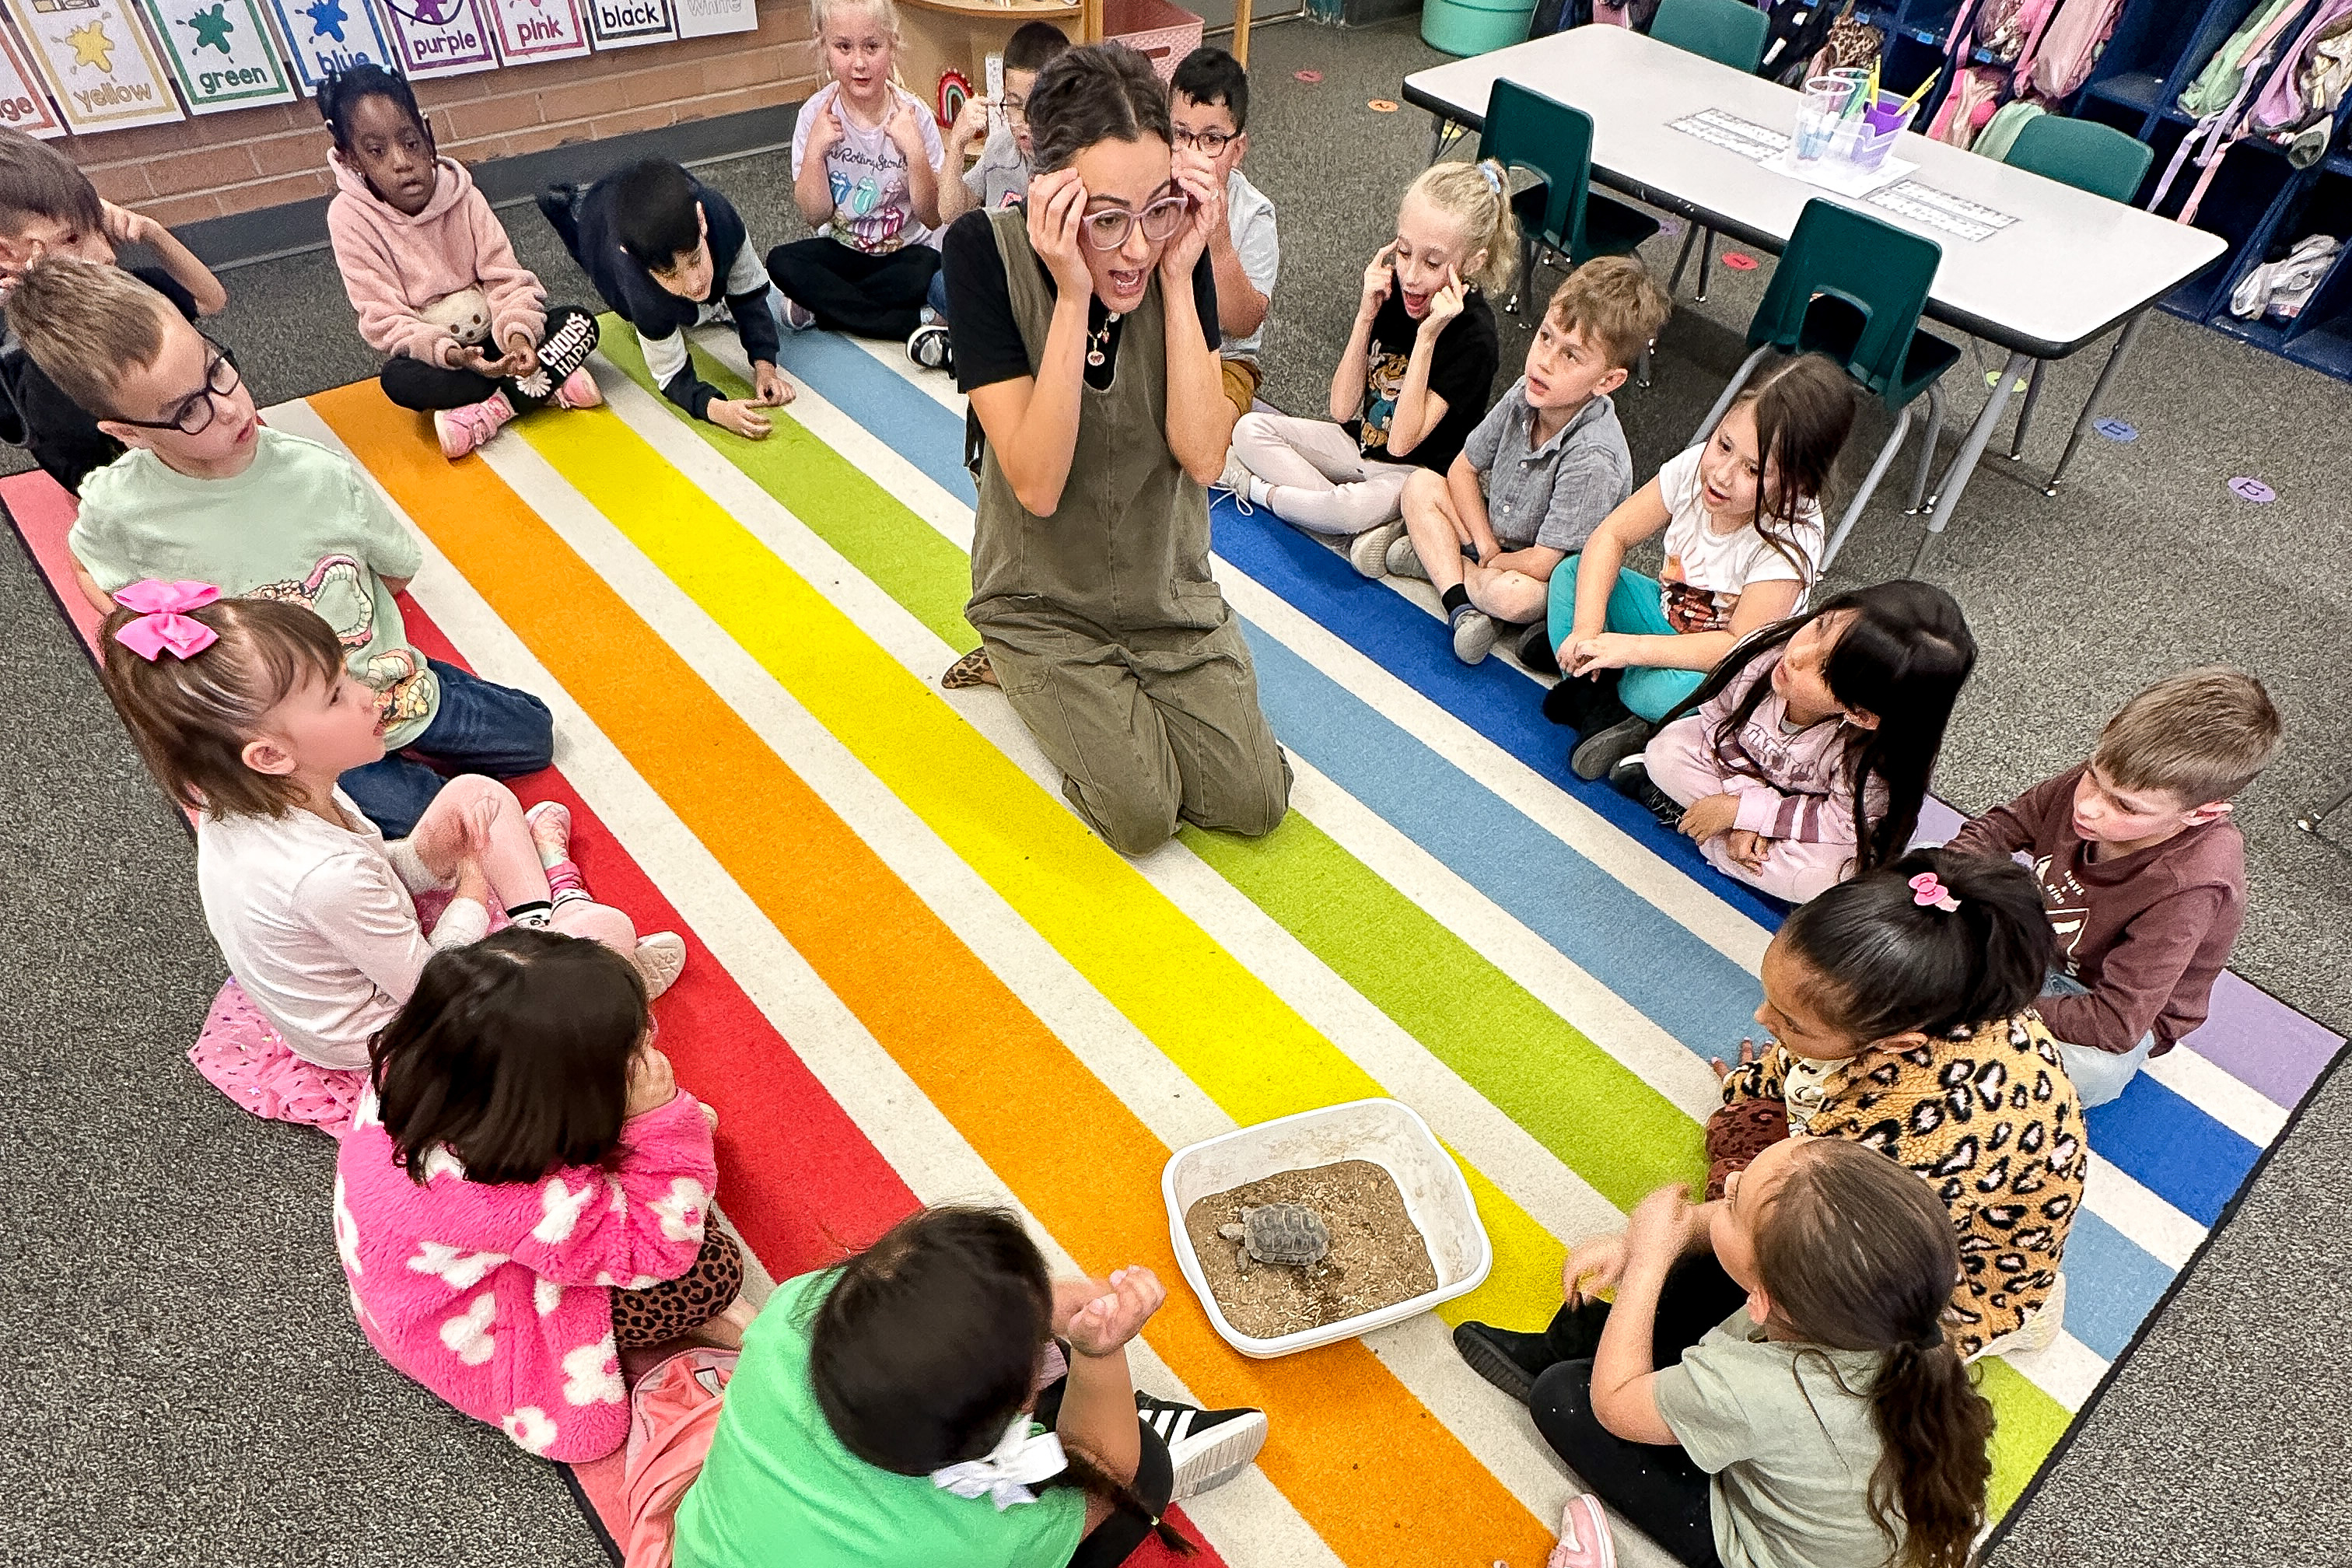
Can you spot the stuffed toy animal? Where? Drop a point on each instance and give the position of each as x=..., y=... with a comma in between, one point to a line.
x=465, y=315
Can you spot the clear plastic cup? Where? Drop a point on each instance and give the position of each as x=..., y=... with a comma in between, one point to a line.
x=1823, y=107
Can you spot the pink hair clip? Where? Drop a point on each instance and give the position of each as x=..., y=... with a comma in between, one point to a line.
x=163, y=625
x=1929, y=892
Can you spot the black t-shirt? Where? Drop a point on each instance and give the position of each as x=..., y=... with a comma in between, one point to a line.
x=1460, y=372
x=987, y=346
x=66, y=441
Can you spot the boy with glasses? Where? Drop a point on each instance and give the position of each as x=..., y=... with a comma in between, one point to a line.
x=1209, y=112
x=208, y=493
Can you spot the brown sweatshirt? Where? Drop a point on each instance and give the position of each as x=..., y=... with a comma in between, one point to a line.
x=2146, y=934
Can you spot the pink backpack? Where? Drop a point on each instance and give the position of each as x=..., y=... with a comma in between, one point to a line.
x=2311, y=78
x=1974, y=95
x=2059, y=54
x=672, y=1417
x=2214, y=135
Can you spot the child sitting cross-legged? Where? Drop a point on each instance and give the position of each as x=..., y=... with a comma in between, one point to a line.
x=1208, y=111
x=2143, y=873
x=1826, y=1420
x=525, y=1189
x=434, y=277
x=1742, y=519
x=1550, y=457
x=210, y=494
x=48, y=207
x=1900, y=1011
x=867, y=163
x=1412, y=383
x=1811, y=745
x=940, y=1399
x=247, y=716
x=666, y=252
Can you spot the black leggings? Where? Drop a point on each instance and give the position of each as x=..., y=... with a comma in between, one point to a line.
x=1113, y=1541
x=1655, y=1486
x=414, y=383
x=851, y=291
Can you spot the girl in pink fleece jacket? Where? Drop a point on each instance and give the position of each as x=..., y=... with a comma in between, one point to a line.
x=434, y=277
x=525, y=1189
x=1811, y=748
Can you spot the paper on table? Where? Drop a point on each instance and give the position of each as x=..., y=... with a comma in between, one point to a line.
x=1837, y=174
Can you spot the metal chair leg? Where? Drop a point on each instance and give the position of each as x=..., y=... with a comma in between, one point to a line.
x=1884, y=460
x=1723, y=403
x=2025, y=413
x=2311, y=821
x=1927, y=449
x=1682, y=260
x=1526, y=276
x=1706, y=261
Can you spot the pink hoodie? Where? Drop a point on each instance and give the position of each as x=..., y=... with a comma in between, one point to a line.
x=395, y=266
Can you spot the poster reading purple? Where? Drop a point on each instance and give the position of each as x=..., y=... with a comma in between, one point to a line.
x=531, y=30
x=441, y=38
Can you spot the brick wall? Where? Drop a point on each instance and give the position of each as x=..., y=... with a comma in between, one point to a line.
x=245, y=159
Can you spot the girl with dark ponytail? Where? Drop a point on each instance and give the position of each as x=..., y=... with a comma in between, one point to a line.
x=938, y=1399
x=1829, y=1422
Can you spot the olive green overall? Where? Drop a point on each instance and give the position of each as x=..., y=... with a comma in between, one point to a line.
x=1102, y=623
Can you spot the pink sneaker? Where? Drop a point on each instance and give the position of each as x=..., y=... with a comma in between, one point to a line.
x=463, y=430
x=579, y=391
x=551, y=831
x=1583, y=1536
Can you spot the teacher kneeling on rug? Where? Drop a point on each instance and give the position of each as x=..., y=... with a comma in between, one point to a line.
x=1084, y=332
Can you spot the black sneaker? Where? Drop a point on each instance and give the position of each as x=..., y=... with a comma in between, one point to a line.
x=929, y=348
x=559, y=203
x=1631, y=778
x=1206, y=1448
x=1601, y=749
x=1536, y=651
x=1511, y=1362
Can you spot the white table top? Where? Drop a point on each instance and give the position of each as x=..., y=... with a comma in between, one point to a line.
x=2071, y=266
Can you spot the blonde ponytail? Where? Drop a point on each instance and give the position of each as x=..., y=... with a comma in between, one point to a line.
x=1477, y=198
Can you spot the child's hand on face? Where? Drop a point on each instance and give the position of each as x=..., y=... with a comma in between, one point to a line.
x=1709, y=815
x=1379, y=278
x=1446, y=303
x=1058, y=206
x=124, y=226
x=1747, y=1058
x=651, y=1085
x=1104, y=1325
x=1593, y=1265
x=740, y=415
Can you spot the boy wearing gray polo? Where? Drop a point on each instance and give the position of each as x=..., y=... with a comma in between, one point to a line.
x=1540, y=471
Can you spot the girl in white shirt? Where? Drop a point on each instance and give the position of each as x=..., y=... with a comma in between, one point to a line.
x=1742, y=519
x=246, y=715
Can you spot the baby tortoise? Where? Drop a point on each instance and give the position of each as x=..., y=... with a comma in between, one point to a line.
x=1289, y=1234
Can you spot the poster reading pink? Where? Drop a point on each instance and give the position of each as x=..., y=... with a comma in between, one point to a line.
x=441, y=38
x=539, y=30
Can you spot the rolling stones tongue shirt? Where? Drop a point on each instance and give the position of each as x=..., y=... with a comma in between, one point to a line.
x=873, y=209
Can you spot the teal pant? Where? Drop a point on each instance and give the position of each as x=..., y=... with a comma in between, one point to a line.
x=1634, y=609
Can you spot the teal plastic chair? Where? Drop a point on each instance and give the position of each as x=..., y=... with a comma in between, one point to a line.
x=2090, y=157
x=1851, y=287
x=1730, y=33
x=1525, y=129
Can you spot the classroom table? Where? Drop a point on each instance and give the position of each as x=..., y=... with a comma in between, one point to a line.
x=2069, y=268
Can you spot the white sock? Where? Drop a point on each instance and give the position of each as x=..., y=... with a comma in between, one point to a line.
x=1260, y=492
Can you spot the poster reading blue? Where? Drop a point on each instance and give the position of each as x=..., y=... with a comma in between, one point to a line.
x=325, y=35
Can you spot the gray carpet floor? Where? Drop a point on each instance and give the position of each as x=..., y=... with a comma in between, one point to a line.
x=187, y=1385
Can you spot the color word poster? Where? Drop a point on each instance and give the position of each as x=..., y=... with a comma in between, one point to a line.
x=325, y=36
x=98, y=64
x=23, y=105
x=441, y=38
x=702, y=18
x=219, y=52
x=618, y=24
x=539, y=30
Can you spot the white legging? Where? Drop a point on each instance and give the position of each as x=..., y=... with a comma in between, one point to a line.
x=1319, y=479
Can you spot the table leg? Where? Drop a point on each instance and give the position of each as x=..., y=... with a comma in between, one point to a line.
x=1438, y=127
x=1956, y=477
x=2098, y=395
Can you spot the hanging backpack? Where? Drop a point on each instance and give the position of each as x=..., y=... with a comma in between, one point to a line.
x=2000, y=133
x=1799, y=28
x=1969, y=106
x=1633, y=14
x=2058, y=56
x=2297, y=106
x=2246, y=64
x=2223, y=78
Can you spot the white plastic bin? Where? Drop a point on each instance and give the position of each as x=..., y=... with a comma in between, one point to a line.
x=1390, y=1135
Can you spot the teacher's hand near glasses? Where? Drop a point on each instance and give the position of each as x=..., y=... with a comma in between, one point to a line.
x=1205, y=215
x=1058, y=210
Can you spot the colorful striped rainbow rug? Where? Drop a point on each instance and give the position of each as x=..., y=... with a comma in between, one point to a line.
x=915, y=976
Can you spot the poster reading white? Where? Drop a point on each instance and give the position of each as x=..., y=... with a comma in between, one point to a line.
x=24, y=106
x=96, y=63
x=220, y=53
x=621, y=23
x=323, y=36
x=441, y=38
x=701, y=18
x=531, y=30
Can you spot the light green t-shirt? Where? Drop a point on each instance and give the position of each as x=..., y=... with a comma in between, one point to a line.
x=779, y=1491
x=1786, y=1431
x=301, y=523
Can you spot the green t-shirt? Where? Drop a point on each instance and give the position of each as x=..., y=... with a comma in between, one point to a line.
x=1786, y=1431
x=779, y=1491
x=301, y=523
